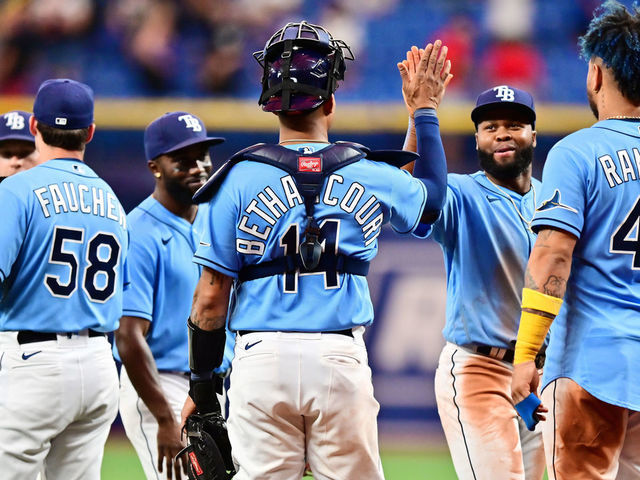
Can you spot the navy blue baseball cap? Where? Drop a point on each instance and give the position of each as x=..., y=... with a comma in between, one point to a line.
x=173, y=131
x=504, y=95
x=14, y=125
x=64, y=104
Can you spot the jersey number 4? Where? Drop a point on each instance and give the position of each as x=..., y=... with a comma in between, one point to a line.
x=102, y=254
x=622, y=240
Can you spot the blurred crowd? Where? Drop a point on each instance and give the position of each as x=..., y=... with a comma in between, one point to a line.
x=200, y=48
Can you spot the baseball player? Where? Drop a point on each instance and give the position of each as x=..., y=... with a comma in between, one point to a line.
x=63, y=246
x=294, y=226
x=584, y=271
x=151, y=341
x=17, y=145
x=485, y=235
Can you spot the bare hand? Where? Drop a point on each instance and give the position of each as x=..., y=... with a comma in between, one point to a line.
x=525, y=380
x=410, y=65
x=169, y=444
x=424, y=81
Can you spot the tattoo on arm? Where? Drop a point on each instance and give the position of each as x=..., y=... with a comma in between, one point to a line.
x=543, y=236
x=529, y=281
x=555, y=286
x=211, y=300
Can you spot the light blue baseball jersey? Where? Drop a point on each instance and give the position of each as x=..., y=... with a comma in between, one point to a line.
x=486, y=244
x=591, y=189
x=163, y=279
x=258, y=215
x=63, y=245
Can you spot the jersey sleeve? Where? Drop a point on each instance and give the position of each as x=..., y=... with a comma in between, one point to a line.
x=217, y=248
x=445, y=228
x=563, y=197
x=12, y=233
x=141, y=262
x=408, y=198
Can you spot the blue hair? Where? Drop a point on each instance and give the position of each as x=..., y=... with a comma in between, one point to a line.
x=614, y=36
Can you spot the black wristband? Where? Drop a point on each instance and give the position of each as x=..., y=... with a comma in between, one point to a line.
x=203, y=394
x=206, y=348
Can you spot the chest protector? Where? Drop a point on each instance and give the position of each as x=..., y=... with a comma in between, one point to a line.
x=309, y=171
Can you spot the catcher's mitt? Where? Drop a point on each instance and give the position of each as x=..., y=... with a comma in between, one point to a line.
x=208, y=450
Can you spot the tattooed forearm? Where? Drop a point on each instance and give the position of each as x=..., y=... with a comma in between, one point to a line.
x=211, y=300
x=555, y=286
x=529, y=281
x=543, y=238
x=208, y=323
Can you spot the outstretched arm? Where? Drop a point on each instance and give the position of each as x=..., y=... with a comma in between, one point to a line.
x=423, y=86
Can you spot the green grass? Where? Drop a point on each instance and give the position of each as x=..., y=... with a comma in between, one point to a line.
x=417, y=465
x=121, y=463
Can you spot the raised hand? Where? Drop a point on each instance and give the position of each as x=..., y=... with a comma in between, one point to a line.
x=424, y=81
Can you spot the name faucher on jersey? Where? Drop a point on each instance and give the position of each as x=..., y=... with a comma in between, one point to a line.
x=270, y=207
x=72, y=197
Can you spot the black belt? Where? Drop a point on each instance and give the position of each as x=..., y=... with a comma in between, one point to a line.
x=29, y=336
x=348, y=332
x=504, y=354
x=174, y=372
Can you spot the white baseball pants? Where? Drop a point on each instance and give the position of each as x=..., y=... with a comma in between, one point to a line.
x=297, y=397
x=486, y=438
x=586, y=438
x=58, y=399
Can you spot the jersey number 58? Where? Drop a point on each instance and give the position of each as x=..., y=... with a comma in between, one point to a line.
x=102, y=255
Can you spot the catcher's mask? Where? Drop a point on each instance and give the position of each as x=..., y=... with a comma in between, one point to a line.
x=302, y=64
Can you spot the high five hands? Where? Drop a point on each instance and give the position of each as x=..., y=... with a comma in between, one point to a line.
x=425, y=75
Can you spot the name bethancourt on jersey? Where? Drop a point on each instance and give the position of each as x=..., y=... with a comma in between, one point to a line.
x=626, y=170
x=269, y=207
x=72, y=197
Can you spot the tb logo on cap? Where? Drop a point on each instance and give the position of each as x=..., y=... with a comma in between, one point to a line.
x=504, y=93
x=191, y=122
x=15, y=121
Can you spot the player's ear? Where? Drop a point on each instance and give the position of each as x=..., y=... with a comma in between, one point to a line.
x=534, y=135
x=594, y=79
x=92, y=130
x=476, y=137
x=32, y=125
x=329, y=107
x=153, y=166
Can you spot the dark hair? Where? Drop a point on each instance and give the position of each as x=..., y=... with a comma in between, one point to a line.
x=73, y=140
x=614, y=36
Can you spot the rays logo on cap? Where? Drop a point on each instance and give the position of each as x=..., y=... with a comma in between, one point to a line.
x=15, y=121
x=191, y=122
x=504, y=93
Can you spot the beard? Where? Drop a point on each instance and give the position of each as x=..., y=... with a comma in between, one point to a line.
x=521, y=161
x=592, y=105
x=179, y=192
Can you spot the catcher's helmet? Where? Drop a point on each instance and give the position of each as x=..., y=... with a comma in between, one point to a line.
x=302, y=66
